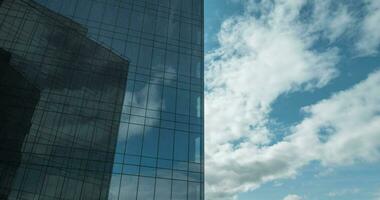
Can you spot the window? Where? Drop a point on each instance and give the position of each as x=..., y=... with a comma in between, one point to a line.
x=135, y=133
x=150, y=141
x=145, y=191
x=166, y=144
x=181, y=147
x=128, y=187
x=163, y=189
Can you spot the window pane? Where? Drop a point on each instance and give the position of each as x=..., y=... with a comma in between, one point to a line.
x=169, y=99
x=114, y=187
x=145, y=56
x=183, y=101
x=195, y=148
x=134, y=142
x=163, y=187
x=150, y=141
x=162, y=26
x=186, y=31
x=154, y=97
x=194, y=191
x=140, y=93
x=166, y=144
x=195, y=104
x=179, y=190
x=196, y=67
x=171, y=62
x=146, y=188
x=184, y=65
x=158, y=60
x=128, y=187
x=180, y=147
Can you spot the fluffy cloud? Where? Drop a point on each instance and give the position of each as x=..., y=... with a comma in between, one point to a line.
x=267, y=52
x=370, y=29
x=292, y=197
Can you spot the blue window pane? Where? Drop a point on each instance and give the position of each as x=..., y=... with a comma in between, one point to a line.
x=150, y=162
x=165, y=163
x=196, y=67
x=184, y=64
x=169, y=99
x=150, y=141
x=183, y=102
x=135, y=135
x=181, y=147
x=131, y=169
x=165, y=149
x=148, y=171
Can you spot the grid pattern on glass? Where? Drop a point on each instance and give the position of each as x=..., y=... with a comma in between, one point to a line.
x=68, y=149
x=157, y=152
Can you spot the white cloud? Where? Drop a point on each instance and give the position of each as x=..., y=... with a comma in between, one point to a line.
x=292, y=197
x=263, y=54
x=343, y=192
x=370, y=30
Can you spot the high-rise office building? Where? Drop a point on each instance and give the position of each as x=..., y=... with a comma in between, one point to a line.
x=101, y=99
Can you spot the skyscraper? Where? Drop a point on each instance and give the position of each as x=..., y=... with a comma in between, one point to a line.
x=101, y=99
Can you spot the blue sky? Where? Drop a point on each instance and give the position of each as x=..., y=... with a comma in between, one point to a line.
x=293, y=99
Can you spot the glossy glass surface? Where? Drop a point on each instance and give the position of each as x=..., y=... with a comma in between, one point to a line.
x=113, y=103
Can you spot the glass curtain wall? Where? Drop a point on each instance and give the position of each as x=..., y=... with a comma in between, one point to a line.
x=117, y=102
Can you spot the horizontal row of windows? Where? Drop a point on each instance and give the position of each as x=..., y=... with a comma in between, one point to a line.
x=107, y=8
x=140, y=188
x=162, y=143
x=39, y=154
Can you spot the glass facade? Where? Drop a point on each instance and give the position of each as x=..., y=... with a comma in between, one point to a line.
x=101, y=99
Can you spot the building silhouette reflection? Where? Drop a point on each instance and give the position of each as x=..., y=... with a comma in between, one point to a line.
x=62, y=145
